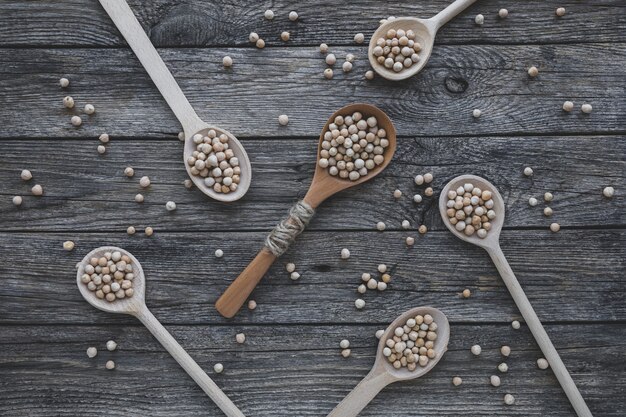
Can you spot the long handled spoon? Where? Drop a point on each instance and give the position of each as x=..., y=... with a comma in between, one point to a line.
x=383, y=373
x=491, y=244
x=129, y=27
x=136, y=306
x=323, y=186
x=425, y=32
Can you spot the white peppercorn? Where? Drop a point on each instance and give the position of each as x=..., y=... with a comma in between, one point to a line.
x=269, y=14
x=548, y=197
x=188, y=183
x=346, y=66
x=131, y=230
x=419, y=179
x=170, y=206
x=17, y=200
x=111, y=345
x=547, y=212
x=568, y=106
x=532, y=201
x=456, y=381
x=476, y=349
x=68, y=245
x=148, y=231
x=345, y=253
x=89, y=109
x=76, y=121
x=476, y=113
x=586, y=108
x=64, y=82
x=283, y=120
x=369, y=75
x=253, y=37
x=466, y=293
x=104, y=138
x=260, y=43
x=503, y=367
x=359, y=303
x=68, y=102
x=515, y=324
x=92, y=352
x=555, y=227
x=542, y=363
x=503, y=13
x=26, y=175
x=110, y=365
x=294, y=276
x=101, y=149
x=284, y=36
x=533, y=71
x=422, y=229
x=494, y=380
x=181, y=136
x=346, y=353
x=379, y=333
x=479, y=19
x=328, y=73
x=293, y=16
x=240, y=338
x=509, y=399
x=397, y=194
x=382, y=268
x=410, y=241
x=380, y=226
x=381, y=286
x=406, y=224
x=227, y=61
x=359, y=38
x=218, y=368
x=139, y=198
x=528, y=171
x=344, y=344
x=417, y=198
x=144, y=182
x=608, y=192
x=505, y=350
x=323, y=48
x=219, y=253
x=560, y=11
x=37, y=190
x=290, y=267
x=251, y=305
x=331, y=59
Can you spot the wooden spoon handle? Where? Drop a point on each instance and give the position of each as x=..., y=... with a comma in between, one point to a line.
x=189, y=365
x=535, y=326
x=126, y=22
x=240, y=289
x=449, y=12
x=361, y=395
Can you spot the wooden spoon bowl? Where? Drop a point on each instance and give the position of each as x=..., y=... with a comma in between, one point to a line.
x=323, y=186
x=493, y=235
x=383, y=373
x=129, y=305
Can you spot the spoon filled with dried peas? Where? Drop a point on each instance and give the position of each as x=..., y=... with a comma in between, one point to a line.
x=409, y=348
x=356, y=144
x=473, y=210
x=215, y=160
x=109, y=267
x=401, y=47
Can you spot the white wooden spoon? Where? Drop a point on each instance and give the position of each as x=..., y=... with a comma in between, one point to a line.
x=425, y=31
x=491, y=244
x=383, y=373
x=136, y=306
x=129, y=27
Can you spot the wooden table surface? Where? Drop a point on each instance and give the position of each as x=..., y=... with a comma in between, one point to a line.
x=290, y=364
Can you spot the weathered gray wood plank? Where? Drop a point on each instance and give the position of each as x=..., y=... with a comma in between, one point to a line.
x=263, y=84
x=184, y=279
x=85, y=191
x=215, y=23
x=298, y=371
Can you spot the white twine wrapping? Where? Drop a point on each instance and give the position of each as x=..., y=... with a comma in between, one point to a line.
x=285, y=233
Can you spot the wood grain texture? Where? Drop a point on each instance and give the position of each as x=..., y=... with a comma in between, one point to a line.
x=262, y=84
x=199, y=23
x=298, y=371
x=572, y=275
x=90, y=193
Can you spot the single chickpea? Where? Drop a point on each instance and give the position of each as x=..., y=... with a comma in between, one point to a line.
x=68, y=102
x=359, y=38
x=240, y=338
x=251, y=305
x=568, y=106
x=555, y=227
x=608, y=192
x=269, y=14
x=328, y=73
x=110, y=365
x=131, y=230
x=476, y=113
x=227, y=61
x=479, y=19
x=422, y=229
x=323, y=48
x=369, y=75
x=37, y=190
x=586, y=108
x=260, y=43
x=218, y=368
x=283, y=120
x=533, y=71
x=17, y=200
x=64, y=82
x=528, y=171
x=560, y=11
x=68, y=245
x=148, y=231
x=467, y=293
x=76, y=121
x=89, y=109
x=284, y=36
x=293, y=16
x=456, y=381
x=219, y=253
x=503, y=13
